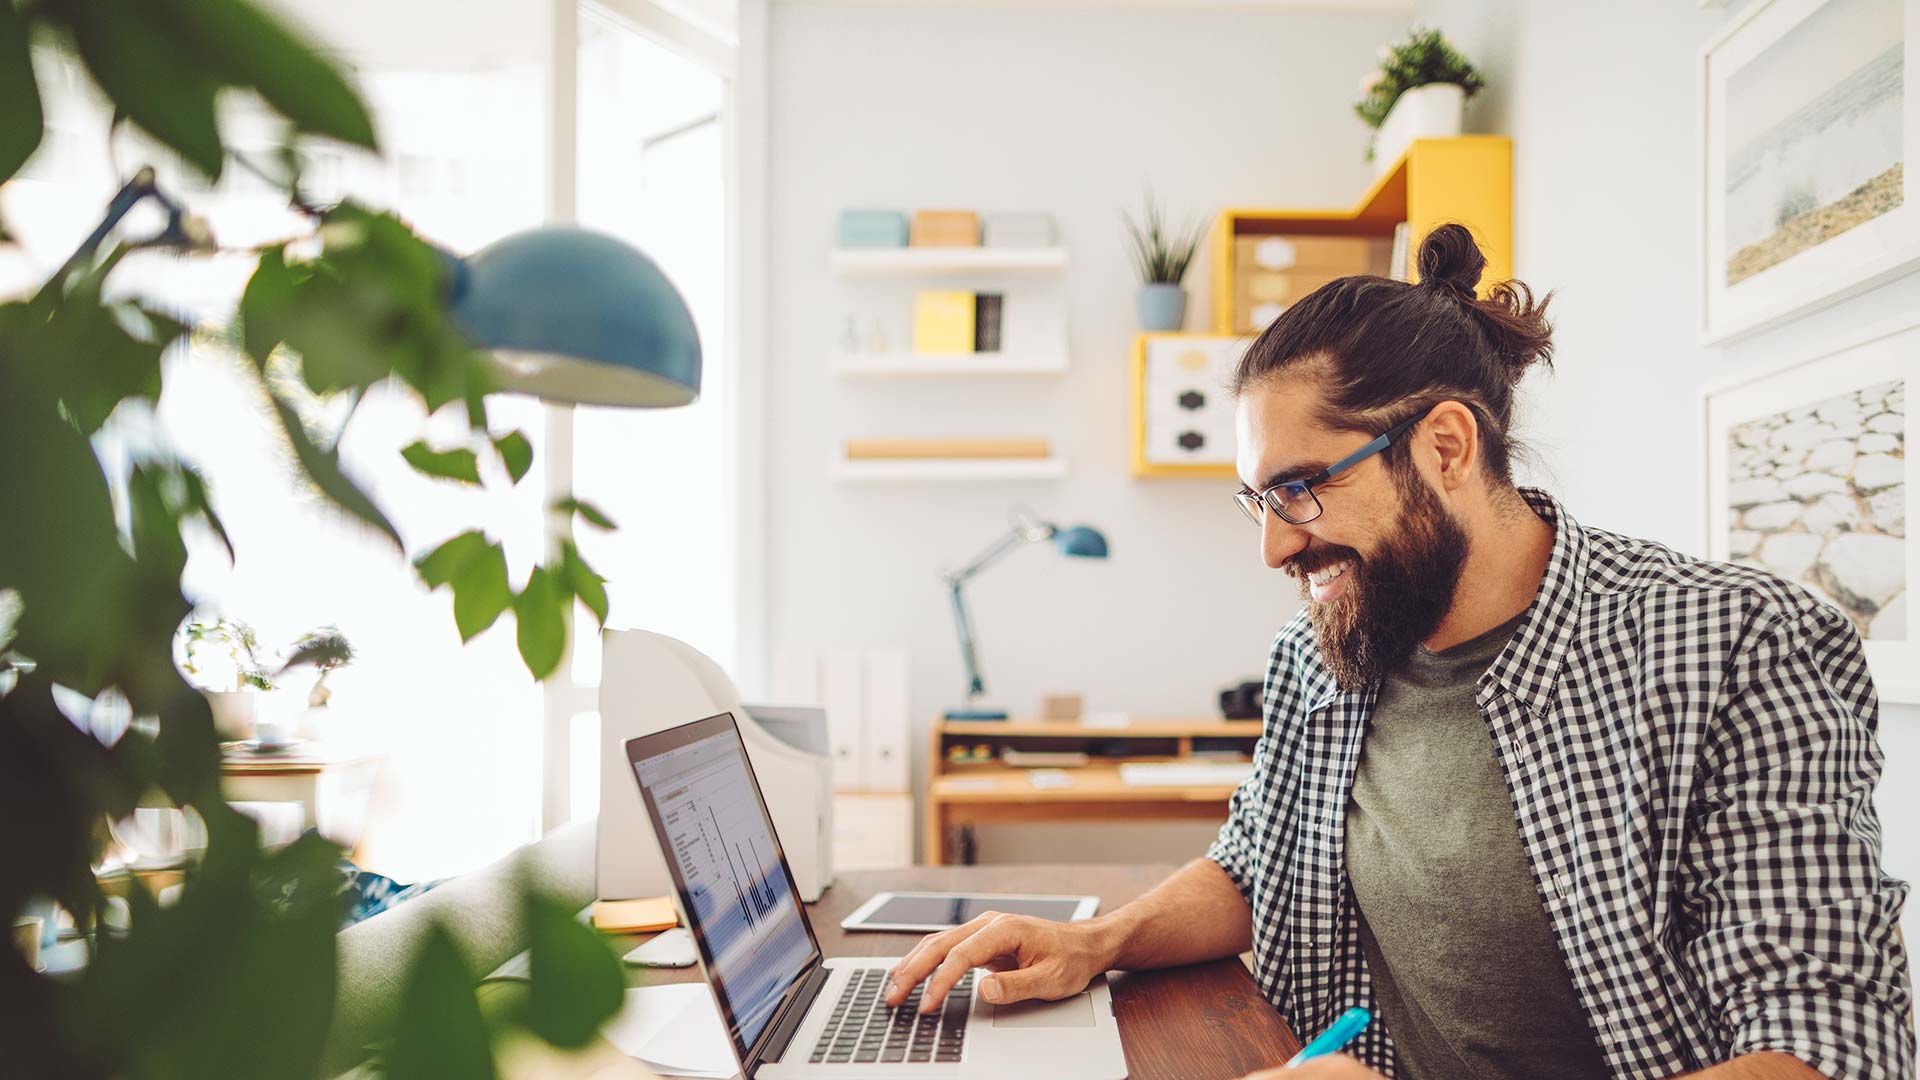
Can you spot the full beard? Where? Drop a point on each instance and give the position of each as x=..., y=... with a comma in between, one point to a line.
x=1398, y=595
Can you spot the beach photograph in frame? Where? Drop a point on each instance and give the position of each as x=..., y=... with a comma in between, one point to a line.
x=1809, y=477
x=1808, y=117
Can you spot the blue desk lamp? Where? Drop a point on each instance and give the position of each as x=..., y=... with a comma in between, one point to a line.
x=1079, y=541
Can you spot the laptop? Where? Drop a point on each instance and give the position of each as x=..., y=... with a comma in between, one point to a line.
x=791, y=1012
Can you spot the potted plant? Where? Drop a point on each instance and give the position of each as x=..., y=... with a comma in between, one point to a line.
x=1161, y=257
x=327, y=650
x=220, y=656
x=1418, y=92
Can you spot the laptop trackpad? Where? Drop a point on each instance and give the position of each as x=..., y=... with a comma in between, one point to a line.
x=1073, y=1012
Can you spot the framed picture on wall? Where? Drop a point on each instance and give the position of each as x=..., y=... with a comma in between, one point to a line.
x=1810, y=476
x=1808, y=110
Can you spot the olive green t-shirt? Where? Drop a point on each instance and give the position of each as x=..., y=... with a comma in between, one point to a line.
x=1466, y=972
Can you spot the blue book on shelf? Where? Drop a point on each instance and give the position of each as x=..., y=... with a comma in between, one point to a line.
x=873, y=229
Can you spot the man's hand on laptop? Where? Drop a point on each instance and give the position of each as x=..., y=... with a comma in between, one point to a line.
x=1032, y=959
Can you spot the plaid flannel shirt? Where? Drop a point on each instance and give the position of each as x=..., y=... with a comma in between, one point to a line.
x=1691, y=755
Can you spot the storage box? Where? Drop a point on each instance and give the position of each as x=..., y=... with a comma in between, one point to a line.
x=943, y=321
x=1186, y=408
x=1270, y=273
x=1341, y=254
x=1018, y=230
x=945, y=228
x=872, y=229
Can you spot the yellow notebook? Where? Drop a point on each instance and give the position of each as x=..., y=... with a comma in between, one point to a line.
x=943, y=321
x=634, y=916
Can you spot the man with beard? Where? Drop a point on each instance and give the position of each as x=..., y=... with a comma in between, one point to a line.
x=1549, y=801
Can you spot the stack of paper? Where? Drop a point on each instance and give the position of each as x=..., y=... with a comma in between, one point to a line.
x=642, y=916
x=1184, y=773
x=674, y=1030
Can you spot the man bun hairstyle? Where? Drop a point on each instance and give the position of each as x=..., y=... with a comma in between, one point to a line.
x=1383, y=350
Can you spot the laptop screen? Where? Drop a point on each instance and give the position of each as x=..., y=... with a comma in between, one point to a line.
x=727, y=864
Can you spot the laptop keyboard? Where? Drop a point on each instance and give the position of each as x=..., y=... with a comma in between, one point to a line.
x=863, y=1029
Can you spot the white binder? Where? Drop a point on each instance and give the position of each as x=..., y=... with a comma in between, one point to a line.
x=887, y=711
x=865, y=693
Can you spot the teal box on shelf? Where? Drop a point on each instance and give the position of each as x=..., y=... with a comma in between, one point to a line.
x=873, y=229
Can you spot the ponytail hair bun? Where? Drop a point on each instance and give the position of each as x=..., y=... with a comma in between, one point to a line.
x=1450, y=258
x=1515, y=327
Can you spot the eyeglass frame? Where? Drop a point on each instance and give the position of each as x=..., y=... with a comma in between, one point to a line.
x=1247, y=499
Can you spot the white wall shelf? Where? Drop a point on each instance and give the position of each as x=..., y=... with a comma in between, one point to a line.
x=934, y=261
x=949, y=469
x=888, y=364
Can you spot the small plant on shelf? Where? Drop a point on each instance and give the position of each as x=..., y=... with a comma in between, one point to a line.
x=1424, y=58
x=1161, y=256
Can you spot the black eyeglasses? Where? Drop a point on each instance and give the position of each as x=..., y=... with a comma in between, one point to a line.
x=1295, y=501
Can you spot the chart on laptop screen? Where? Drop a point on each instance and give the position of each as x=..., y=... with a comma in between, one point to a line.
x=737, y=891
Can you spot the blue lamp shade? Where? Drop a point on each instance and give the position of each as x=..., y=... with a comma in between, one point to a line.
x=1082, y=541
x=577, y=316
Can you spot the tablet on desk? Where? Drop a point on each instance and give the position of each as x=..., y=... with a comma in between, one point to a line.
x=929, y=912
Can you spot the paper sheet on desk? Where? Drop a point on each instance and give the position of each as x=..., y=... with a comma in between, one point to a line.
x=675, y=1030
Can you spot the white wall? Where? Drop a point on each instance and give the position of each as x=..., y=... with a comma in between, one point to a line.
x=1073, y=112
x=1601, y=106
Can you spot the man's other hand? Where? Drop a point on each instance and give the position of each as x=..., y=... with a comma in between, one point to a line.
x=1032, y=958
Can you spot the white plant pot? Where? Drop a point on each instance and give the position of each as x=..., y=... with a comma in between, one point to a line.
x=1424, y=112
x=234, y=712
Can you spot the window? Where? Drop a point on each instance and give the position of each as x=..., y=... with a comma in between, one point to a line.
x=653, y=171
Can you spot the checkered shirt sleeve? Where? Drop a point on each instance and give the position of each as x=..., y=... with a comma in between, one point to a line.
x=1788, y=925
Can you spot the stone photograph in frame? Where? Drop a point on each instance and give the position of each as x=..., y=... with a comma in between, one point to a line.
x=1809, y=476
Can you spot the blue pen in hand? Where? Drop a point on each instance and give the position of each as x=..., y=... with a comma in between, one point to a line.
x=1336, y=1037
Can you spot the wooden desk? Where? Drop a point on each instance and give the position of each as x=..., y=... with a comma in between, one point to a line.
x=1201, y=1022
x=960, y=796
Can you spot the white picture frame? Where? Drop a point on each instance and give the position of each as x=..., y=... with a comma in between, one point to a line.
x=1765, y=402
x=1755, y=272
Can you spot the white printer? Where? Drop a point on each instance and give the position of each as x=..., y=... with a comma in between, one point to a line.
x=650, y=682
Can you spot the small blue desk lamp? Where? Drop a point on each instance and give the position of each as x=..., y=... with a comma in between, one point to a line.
x=1079, y=541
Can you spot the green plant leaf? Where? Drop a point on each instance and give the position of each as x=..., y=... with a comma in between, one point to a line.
x=323, y=468
x=477, y=571
x=540, y=612
x=135, y=54
x=441, y=565
x=196, y=501
x=583, y=582
x=264, y=304
x=441, y=1033
x=69, y=567
x=480, y=593
x=592, y=513
x=97, y=355
x=250, y=48
x=371, y=307
x=577, y=984
x=461, y=464
x=516, y=453
x=21, y=122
